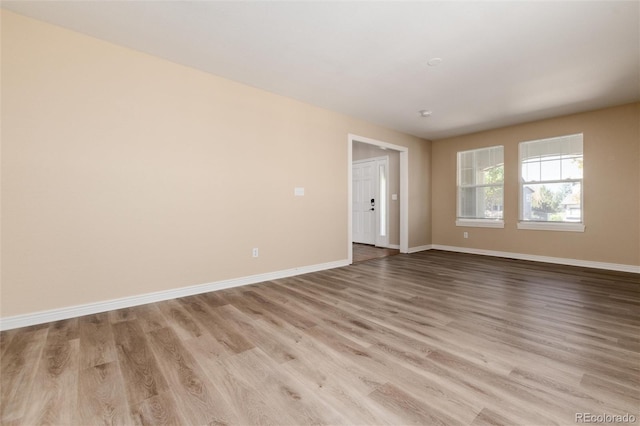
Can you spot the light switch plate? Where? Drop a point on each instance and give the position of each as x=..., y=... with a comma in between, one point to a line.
x=298, y=191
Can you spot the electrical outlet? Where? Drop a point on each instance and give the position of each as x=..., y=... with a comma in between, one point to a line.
x=465, y=234
x=254, y=252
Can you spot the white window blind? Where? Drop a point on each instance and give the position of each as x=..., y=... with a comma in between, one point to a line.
x=481, y=184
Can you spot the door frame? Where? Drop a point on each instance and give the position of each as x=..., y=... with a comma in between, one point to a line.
x=404, y=190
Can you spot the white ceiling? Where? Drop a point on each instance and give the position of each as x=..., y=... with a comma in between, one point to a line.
x=503, y=62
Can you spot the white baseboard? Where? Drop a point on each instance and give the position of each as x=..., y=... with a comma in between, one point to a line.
x=419, y=248
x=25, y=320
x=393, y=246
x=547, y=259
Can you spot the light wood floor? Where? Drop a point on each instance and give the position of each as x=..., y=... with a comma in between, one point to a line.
x=427, y=338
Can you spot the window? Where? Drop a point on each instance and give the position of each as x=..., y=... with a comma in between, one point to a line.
x=551, y=184
x=382, y=179
x=481, y=187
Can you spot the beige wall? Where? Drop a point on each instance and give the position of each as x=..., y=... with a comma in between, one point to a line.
x=362, y=151
x=611, y=189
x=124, y=174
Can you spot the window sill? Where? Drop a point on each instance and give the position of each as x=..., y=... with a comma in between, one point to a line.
x=480, y=223
x=552, y=226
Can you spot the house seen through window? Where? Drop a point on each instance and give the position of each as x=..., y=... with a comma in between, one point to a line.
x=551, y=180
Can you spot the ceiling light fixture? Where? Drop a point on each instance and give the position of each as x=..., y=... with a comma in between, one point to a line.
x=424, y=113
x=434, y=62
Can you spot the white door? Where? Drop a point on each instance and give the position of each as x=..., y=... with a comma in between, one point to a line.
x=364, y=203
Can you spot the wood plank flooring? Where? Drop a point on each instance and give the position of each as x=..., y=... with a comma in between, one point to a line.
x=428, y=338
x=362, y=252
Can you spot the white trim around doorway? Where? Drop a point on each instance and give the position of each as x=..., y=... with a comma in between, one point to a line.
x=404, y=190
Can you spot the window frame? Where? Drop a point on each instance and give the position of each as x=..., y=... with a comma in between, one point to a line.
x=542, y=225
x=477, y=222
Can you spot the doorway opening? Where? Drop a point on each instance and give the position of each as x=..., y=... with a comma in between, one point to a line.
x=378, y=183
